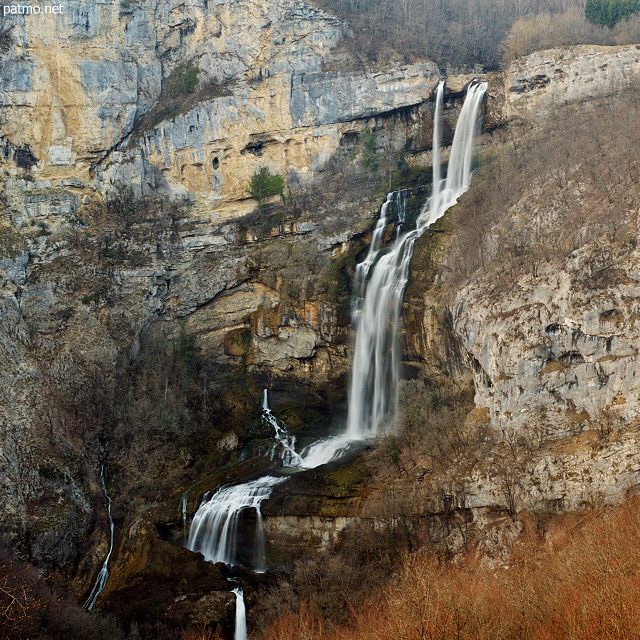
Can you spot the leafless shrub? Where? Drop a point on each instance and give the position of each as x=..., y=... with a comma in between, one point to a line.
x=569, y=183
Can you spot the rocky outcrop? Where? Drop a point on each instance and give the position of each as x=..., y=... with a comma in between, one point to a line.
x=555, y=350
x=69, y=111
x=542, y=82
x=291, y=123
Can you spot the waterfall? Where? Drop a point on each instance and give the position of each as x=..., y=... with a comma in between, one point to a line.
x=183, y=504
x=103, y=576
x=241, y=616
x=399, y=199
x=284, y=444
x=459, y=169
x=214, y=529
x=373, y=394
x=379, y=287
x=434, y=201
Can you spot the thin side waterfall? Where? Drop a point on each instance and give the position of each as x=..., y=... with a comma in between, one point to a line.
x=434, y=201
x=103, y=576
x=284, y=444
x=241, y=616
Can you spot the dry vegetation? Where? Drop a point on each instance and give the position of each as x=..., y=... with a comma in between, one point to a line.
x=578, y=579
x=569, y=184
x=547, y=30
x=566, y=188
x=31, y=608
x=472, y=32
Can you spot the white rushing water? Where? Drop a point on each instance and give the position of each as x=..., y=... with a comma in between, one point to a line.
x=214, y=530
x=284, y=444
x=241, y=616
x=103, y=576
x=380, y=283
x=395, y=200
x=373, y=395
x=184, y=504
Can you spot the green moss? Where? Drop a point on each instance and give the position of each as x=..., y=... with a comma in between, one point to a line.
x=350, y=474
x=95, y=298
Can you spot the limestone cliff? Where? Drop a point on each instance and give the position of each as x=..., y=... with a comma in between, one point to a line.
x=137, y=327
x=544, y=325
x=75, y=87
x=132, y=258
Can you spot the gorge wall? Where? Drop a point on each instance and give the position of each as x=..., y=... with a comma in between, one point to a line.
x=101, y=277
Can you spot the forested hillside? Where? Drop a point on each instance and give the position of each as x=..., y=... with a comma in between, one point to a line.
x=481, y=32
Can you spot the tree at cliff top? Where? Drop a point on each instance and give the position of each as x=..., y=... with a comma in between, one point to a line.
x=609, y=12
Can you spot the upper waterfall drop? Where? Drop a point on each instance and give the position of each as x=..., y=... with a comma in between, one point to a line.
x=373, y=394
x=459, y=168
x=436, y=187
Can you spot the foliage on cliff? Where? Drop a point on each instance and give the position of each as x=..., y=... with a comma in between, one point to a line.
x=264, y=184
x=483, y=33
x=576, y=182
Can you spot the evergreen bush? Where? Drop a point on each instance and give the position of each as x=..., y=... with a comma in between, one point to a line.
x=609, y=12
x=265, y=184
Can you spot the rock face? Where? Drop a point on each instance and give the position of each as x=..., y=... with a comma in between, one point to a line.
x=69, y=110
x=556, y=348
x=552, y=350
x=94, y=106
x=547, y=80
x=95, y=267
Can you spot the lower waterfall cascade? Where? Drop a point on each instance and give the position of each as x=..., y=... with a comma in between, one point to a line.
x=380, y=282
x=241, y=616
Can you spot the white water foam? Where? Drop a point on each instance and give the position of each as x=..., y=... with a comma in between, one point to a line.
x=380, y=283
x=103, y=576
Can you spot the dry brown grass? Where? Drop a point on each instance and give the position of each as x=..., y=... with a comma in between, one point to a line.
x=579, y=580
x=201, y=632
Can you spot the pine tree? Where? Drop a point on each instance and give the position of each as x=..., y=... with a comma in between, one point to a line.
x=591, y=11
x=610, y=12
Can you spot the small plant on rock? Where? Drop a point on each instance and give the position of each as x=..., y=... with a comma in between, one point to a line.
x=265, y=184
